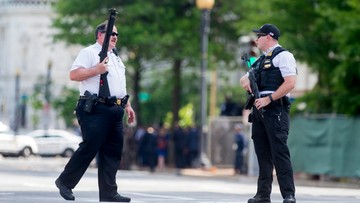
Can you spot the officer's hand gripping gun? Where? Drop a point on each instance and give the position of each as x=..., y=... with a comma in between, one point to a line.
x=254, y=88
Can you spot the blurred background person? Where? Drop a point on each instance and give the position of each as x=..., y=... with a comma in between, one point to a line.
x=179, y=139
x=148, y=147
x=192, y=147
x=138, y=136
x=162, y=147
x=239, y=146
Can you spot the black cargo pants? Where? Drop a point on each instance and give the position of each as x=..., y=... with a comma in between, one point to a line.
x=270, y=134
x=102, y=132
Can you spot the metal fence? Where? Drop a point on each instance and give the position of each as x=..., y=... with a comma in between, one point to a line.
x=220, y=143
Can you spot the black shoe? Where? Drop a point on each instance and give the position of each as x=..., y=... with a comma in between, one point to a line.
x=116, y=198
x=65, y=192
x=289, y=199
x=259, y=199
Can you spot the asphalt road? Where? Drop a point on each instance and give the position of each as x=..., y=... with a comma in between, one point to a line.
x=32, y=181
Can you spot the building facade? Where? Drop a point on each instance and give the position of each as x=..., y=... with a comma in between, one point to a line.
x=28, y=55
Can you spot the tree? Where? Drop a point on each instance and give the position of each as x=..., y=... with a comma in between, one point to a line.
x=65, y=105
x=174, y=27
x=150, y=31
x=321, y=34
x=39, y=99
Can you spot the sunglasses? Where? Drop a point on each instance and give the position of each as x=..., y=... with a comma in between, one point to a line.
x=112, y=34
x=260, y=35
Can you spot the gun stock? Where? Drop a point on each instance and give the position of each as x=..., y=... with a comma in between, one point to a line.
x=246, y=59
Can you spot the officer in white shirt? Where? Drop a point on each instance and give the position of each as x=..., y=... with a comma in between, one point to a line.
x=275, y=74
x=101, y=125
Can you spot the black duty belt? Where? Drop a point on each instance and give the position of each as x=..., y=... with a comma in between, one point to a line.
x=110, y=100
x=113, y=101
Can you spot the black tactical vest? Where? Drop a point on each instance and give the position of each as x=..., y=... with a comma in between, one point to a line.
x=268, y=77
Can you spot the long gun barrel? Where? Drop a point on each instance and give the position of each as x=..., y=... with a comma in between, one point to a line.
x=109, y=29
x=254, y=88
x=104, y=89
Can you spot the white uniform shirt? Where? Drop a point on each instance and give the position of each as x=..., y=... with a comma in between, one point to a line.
x=88, y=58
x=285, y=61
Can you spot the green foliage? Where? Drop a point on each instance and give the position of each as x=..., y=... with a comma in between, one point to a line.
x=150, y=31
x=65, y=105
x=160, y=90
x=186, y=114
x=37, y=100
x=321, y=34
x=77, y=19
x=160, y=94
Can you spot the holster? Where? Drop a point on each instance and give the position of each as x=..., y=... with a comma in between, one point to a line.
x=91, y=101
x=286, y=102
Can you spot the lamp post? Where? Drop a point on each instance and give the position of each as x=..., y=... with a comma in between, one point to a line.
x=47, y=97
x=205, y=6
x=17, y=112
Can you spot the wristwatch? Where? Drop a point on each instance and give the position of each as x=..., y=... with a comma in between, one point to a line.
x=271, y=99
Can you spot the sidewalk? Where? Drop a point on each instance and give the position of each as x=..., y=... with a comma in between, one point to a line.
x=300, y=179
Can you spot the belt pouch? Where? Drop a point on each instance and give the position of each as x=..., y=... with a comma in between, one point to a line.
x=111, y=100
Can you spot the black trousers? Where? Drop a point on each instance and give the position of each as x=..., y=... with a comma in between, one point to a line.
x=270, y=134
x=102, y=132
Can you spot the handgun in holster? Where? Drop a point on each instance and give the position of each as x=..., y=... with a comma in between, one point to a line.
x=91, y=101
x=286, y=102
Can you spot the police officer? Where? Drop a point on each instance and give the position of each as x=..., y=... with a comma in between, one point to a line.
x=102, y=127
x=275, y=73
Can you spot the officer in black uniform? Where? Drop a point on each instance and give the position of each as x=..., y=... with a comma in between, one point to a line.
x=100, y=118
x=275, y=73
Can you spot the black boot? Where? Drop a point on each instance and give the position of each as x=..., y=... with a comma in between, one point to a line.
x=259, y=199
x=116, y=198
x=289, y=199
x=65, y=192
